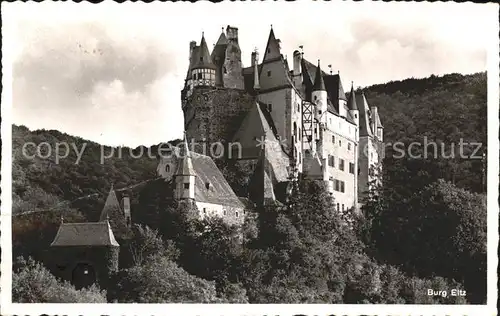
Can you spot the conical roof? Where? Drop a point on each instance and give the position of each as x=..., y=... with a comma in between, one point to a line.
x=185, y=165
x=222, y=39
x=111, y=206
x=351, y=103
x=202, y=58
x=319, y=83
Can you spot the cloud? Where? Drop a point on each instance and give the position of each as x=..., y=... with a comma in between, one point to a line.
x=80, y=76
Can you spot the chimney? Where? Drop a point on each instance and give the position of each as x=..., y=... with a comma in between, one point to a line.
x=126, y=209
x=255, y=57
x=232, y=34
x=192, y=45
x=297, y=58
x=255, y=61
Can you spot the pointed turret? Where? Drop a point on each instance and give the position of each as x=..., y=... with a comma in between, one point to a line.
x=351, y=103
x=255, y=64
x=319, y=83
x=272, y=47
x=185, y=166
x=319, y=95
x=353, y=106
x=185, y=175
x=203, y=60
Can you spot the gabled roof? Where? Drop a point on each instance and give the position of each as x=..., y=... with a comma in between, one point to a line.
x=272, y=48
x=258, y=129
x=85, y=234
x=219, y=191
x=202, y=58
x=364, y=116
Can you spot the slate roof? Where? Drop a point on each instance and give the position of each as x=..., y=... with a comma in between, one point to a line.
x=319, y=83
x=110, y=206
x=351, y=103
x=202, y=58
x=85, y=234
x=258, y=123
x=184, y=165
x=206, y=171
x=219, y=191
x=261, y=189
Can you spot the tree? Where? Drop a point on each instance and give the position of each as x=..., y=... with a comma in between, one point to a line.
x=160, y=280
x=146, y=243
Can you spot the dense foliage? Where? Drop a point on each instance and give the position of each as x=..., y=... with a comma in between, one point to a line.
x=33, y=283
x=425, y=228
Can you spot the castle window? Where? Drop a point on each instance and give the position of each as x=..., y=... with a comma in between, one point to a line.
x=351, y=168
x=338, y=207
x=207, y=185
x=349, y=146
x=204, y=210
x=186, y=186
x=269, y=73
x=167, y=168
x=342, y=207
x=225, y=212
x=340, y=143
x=341, y=164
x=333, y=139
x=355, y=116
x=331, y=161
x=236, y=214
x=315, y=97
x=270, y=107
x=225, y=70
x=342, y=188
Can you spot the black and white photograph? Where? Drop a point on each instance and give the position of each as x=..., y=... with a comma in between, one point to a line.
x=321, y=154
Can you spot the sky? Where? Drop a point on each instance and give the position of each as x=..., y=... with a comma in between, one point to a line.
x=112, y=73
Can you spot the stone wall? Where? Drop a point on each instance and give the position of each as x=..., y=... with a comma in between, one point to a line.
x=215, y=114
x=102, y=259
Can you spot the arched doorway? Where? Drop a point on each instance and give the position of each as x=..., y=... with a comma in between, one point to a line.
x=83, y=275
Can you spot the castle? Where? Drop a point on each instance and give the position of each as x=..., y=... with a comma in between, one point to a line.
x=289, y=123
x=284, y=123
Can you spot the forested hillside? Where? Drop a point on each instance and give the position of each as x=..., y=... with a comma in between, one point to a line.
x=418, y=232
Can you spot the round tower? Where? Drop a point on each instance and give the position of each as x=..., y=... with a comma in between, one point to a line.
x=203, y=69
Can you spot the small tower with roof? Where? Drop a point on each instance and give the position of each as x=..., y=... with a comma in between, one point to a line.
x=319, y=95
x=184, y=177
x=352, y=106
